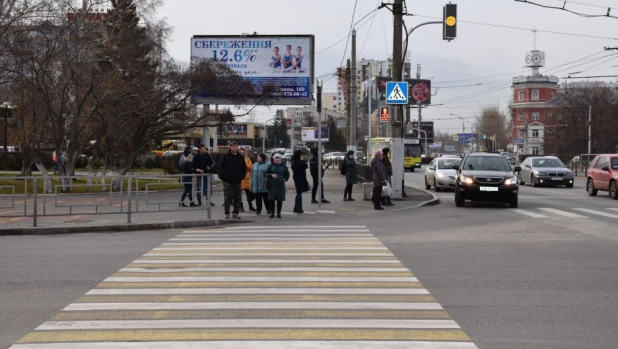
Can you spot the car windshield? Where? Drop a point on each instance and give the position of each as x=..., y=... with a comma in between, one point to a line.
x=337, y=154
x=549, y=162
x=614, y=163
x=447, y=164
x=487, y=163
x=360, y=153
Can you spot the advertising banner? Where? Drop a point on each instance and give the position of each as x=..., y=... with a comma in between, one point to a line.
x=283, y=61
x=311, y=134
x=465, y=138
x=233, y=131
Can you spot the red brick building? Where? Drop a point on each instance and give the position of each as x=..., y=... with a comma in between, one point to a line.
x=536, y=106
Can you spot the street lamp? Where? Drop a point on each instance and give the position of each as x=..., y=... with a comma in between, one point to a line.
x=264, y=135
x=7, y=110
x=589, y=134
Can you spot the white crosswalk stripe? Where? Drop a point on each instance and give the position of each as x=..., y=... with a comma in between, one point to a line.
x=245, y=287
x=561, y=213
x=528, y=213
x=598, y=213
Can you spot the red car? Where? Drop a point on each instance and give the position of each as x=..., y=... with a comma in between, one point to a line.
x=603, y=175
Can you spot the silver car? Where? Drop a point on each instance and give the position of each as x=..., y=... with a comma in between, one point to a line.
x=440, y=173
x=546, y=170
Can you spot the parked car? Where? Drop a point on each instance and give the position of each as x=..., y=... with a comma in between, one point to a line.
x=486, y=177
x=603, y=175
x=545, y=170
x=509, y=157
x=360, y=157
x=440, y=173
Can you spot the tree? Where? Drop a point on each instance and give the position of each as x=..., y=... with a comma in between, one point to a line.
x=279, y=135
x=336, y=140
x=492, y=121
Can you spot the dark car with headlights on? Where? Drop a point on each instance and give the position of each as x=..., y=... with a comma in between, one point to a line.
x=486, y=177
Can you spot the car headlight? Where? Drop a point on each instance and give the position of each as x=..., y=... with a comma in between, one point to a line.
x=537, y=173
x=441, y=175
x=467, y=180
x=510, y=181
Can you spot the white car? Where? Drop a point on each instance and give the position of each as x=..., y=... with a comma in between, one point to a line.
x=440, y=173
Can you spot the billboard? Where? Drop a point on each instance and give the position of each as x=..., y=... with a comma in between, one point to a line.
x=418, y=90
x=427, y=126
x=465, y=138
x=283, y=61
x=233, y=131
x=311, y=134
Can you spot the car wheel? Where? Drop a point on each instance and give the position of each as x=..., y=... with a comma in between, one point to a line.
x=460, y=200
x=513, y=203
x=436, y=189
x=569, y=185
x=412, y=169
x=521, y=180
x=590, y=188
x=427, y=186
x=613, y=191
x=533, y=181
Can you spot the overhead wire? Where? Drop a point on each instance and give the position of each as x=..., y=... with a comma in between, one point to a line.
x=349, y=33
x=369, y=30
x=581, y=14
x=587, y=4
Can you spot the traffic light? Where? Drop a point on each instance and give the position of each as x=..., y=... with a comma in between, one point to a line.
x=385, y=114
x=319, y=99
x=484, y=136
x=449, y=31
x=364, y=73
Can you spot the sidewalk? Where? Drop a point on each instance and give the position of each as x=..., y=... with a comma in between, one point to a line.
x=159, y=210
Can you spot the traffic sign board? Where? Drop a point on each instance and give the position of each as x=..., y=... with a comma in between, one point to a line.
x=455, y=138
x=397, y=92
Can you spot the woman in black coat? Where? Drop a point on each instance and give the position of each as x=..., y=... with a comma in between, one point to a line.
x=386, y=152
x=299, y=171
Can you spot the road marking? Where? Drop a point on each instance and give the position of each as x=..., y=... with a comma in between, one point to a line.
x=279, y=230
x=176, y=291
x=296, y=239
x=562, y=213
x=254, y=254
x=241, y=323
x=270, y=261
x=272, y=269
x=202, y=247
x=252, y=305
x=528, y=213
x=257, y=278
x=251, y=284
x=268, y=227
x=257, y=345
x=255, y=298
x=613, y=209
x=598, y=213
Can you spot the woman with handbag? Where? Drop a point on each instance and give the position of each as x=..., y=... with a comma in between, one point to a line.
x=277, y=174
x=259, y=184
x=379, y=179
x=299, y=170
x=349, y=165
x=386, y=199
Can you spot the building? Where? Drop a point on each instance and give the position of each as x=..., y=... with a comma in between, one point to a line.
x=536, y=106
x=329, y=101
x=306, y=117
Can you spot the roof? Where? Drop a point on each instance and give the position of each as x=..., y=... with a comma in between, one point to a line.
x=486, y=154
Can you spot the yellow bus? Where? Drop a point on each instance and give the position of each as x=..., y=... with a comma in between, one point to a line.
x=411, y=150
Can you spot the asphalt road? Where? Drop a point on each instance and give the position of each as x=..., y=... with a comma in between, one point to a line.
x=541, y=276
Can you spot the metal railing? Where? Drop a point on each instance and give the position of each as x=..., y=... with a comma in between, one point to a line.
x=101, y=195
x=364, y=173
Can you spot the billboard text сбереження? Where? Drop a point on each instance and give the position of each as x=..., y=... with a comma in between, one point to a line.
x=283, y=61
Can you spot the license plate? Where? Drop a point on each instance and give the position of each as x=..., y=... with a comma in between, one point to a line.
x=489, y=188
x=556, y=178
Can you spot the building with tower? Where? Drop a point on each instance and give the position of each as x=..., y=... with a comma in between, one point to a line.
x=535, y=108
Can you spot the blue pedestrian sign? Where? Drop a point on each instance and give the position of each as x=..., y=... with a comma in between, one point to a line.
x=397, y=92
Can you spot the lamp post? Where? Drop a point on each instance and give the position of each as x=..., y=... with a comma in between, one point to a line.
x=7, y=110
x=589, y=134
x=264, y=135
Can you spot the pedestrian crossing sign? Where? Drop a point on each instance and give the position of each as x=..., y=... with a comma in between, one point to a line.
x=397, y=92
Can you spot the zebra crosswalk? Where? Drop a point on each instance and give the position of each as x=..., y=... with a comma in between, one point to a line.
x=275, y=287
x=576, y=213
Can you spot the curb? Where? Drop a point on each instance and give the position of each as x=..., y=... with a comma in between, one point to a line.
x=115, y=228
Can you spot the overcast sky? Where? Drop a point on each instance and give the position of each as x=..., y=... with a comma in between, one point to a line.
x=481, y=54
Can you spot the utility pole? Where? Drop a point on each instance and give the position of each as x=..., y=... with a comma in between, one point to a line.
x=215, y=138
x=348, y=104
x=420, y=117
x=369, y=113
x=396, y=122
x=206, y=138
x=354, y=94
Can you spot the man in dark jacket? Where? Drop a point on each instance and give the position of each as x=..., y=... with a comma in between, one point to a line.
x=379, y=179
x=202, y=164
x=313, y=168
x=232, y=170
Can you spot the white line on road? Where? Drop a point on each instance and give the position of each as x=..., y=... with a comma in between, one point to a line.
x=197, y=247
x=334, y=227
x=186, y=254
x=528, y=213
x=598, y=213
x=261, y=279
x=231, y=234
x=562, y=213
x=254, y=345
x=262, y=241
x=193, y=291
x=613, y=209
x=252, y=305
x=273, y=269
x=272, y=230
x=242, y=323
x=266, y=261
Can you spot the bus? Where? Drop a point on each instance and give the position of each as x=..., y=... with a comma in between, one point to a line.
x=411, y=150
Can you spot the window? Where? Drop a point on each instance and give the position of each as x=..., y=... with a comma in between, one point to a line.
x=535, y=150
x=606, y=163
x=535, y=116
x=559, y=117
x=521, y=95
x=550, y=116
x=535, y=133
x=520, y=117
x=535, y=95
x=614, y=163
x=522, y=133
x=549, y=133
x=599, y=162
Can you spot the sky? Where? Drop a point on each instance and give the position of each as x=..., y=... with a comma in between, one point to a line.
x=471, y=72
